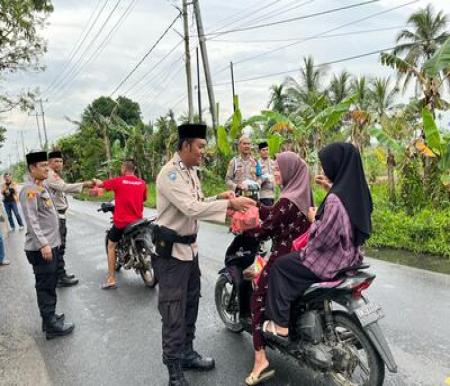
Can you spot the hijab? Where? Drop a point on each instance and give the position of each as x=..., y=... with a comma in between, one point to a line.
x=341, y=163
x=295, y=180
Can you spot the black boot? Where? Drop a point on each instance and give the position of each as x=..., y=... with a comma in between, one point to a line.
x=65, y=281
x=59, y=317
x=176, y=376
x=192, y=360
x=56, y=328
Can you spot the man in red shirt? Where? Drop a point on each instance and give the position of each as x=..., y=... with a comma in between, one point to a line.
x=130, y=193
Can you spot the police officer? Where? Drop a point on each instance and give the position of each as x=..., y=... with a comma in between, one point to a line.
x=180, y=204
x=42, y=242
x=241, y=168
x=58, y=188
x=266, y=179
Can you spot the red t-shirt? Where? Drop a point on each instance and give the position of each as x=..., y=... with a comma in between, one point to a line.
x=130, y=192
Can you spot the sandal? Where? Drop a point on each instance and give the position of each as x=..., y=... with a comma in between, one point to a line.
x=107, y=286
x=265, y=375
x=269, y=327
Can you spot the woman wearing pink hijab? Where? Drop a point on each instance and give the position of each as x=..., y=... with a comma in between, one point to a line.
x=283, y=223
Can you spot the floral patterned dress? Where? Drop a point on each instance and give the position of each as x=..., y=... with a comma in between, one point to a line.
x=283, y=223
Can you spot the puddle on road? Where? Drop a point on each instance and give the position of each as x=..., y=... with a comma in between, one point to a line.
x=428, y=262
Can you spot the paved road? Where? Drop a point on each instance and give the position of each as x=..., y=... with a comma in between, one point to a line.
x=117, y=335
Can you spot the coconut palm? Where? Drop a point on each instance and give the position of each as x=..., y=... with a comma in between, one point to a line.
x=383, y=95
x=278, y=98
x=340, y=87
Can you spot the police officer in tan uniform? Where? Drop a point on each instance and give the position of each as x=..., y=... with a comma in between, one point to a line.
x=180, y=204
x=266, y=178
x=59, y=188
x=241, y=168
x=42, y=242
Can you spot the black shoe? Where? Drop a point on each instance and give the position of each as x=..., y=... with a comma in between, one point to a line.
x=55, y=329
x=176, y=376
x=64, y=281
x=192, y=360
x=58, y=317
x=70, y=276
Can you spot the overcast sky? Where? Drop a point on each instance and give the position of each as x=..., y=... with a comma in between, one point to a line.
x=98, y=67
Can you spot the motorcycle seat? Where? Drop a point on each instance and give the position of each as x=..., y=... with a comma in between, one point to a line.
x=135, y=225
x=353, y=268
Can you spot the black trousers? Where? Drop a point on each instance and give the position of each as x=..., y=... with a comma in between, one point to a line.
x=288, y=280
x=45, y=275
x=179, y=295
x=61, y=270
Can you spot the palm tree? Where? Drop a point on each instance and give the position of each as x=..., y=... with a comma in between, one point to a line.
x=339, y=87
x=278, y=99
x=360, y=115
x=382, y=95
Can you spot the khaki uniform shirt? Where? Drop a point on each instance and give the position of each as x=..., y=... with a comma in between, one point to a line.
x=240, y=170
x=266, y=179
x=180, y=204
x=58, y=188
x=40, y=215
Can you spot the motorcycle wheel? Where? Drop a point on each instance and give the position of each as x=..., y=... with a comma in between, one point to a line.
x=223, y=292
x=148, y=276
x=117, y=265
x=366, y=371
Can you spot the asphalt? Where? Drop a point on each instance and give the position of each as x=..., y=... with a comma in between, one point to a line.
x=117, y=339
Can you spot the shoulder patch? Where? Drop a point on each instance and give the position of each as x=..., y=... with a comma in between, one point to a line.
x=172, y=176
x=31, y=194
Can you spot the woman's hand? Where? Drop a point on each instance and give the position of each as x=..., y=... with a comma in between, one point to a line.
x=323, y=181
x=312, y=214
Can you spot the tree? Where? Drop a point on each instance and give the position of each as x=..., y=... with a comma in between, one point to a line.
x=2, y=135
x=383, y=95
x=20, y=43
x=340, y=87
x=278, y=99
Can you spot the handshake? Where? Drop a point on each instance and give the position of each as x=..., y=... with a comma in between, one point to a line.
x=95, y=187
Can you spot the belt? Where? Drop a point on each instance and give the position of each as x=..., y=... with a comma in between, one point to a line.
x=62, y=211
x=189, y=239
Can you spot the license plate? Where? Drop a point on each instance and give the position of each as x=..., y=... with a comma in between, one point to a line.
x=369, y=313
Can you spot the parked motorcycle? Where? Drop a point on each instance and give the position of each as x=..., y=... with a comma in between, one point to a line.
x=135, y=248
x=345, y=343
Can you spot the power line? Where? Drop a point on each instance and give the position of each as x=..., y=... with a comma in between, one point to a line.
x=146, y=54
x=316, y=36
x=73, y=72
x=312, y=15
x=79, y=44
x=319, y=37
x=346, y=59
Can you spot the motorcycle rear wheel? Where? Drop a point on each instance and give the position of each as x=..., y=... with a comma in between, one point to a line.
x=352, y=334
x=223, y=292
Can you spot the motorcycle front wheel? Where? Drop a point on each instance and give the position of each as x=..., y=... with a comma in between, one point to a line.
x=223, y=294
x=363, y=365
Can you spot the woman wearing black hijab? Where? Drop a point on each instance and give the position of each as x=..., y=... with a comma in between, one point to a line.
x=342, y=224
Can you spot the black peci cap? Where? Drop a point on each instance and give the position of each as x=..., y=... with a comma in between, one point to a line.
x=263, y=145
x=192, y=130
x=35, y=157
x=55, y=154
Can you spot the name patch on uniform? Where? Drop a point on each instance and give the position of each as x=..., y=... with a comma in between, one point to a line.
x=172, y=176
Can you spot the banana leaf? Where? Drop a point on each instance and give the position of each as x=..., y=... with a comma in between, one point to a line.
x=431, y=131
x=439, y=61
x=385, y=139
x=274, y=141
x=222, y=141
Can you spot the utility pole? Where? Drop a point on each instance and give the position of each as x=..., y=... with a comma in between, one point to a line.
x=232, y=86
x=23, y=144
x=199, y=90
x=36, y=114
x=188, y=61
x=43, y=124
x=202, y=43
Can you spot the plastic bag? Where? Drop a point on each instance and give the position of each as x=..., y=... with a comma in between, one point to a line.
x=243, y=221
x=300, y=242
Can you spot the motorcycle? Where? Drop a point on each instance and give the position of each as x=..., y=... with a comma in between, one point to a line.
x=135, y=248
x=344, y=343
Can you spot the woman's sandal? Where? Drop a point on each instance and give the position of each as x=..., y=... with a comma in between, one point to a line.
x=269, y=327
x=265, y=375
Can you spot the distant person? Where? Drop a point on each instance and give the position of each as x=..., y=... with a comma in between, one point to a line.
x=130, y=193
x=42, y=242
x=59, y=188
x=10, y=193
x=3, y=260
x=266, y=179
x=287, y=145
x=241, y=168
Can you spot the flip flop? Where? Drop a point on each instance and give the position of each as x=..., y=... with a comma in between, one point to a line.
x=272, y=331
x=265, y=375
x=107, y=286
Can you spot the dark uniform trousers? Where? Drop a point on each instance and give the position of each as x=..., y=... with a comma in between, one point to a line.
x=61, y=271
x=45, y=275
x=179, y=295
